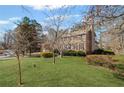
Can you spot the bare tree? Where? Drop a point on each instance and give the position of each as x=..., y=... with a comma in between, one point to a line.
x=56, y=20
x=12, y=42
x=111, y=16
x=17, y=46
x=6, y=43
x=111, y=19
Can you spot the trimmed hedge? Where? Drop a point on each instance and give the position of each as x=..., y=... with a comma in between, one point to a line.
x=47, y=54
x=103, y=52
x=73, y=53
x=69, y=53
x=81, y=53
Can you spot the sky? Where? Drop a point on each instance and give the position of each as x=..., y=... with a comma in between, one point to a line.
x=10, y=14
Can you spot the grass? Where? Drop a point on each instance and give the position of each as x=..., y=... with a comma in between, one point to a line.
x=120, y=58
x=67, y=72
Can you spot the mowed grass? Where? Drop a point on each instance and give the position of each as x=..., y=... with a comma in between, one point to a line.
x=67, y=72
x=120, y=58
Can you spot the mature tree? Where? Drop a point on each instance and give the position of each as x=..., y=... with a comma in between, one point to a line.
x=24, y=37
x=32, y=31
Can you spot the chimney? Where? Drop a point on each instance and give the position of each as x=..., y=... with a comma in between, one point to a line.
x=90, y=36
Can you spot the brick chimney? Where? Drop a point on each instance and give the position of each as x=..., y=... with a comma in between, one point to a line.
x=90, y=36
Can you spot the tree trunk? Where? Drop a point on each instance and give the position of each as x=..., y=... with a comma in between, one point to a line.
x=23, y=53
x=54, y=61
x=30, y=52
x=61, y=55
x=19, y=68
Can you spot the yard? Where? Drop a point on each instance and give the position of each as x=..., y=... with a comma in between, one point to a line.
x=68, y=71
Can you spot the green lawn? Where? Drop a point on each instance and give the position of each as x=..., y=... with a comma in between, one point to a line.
x=68, y=71
x=120, y=58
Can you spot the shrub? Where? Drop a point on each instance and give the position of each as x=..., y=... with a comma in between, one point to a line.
x=47, y=54
x=81, y=53
x=98, y=51
x=101, y=60
x=73, y=53
x=102, y=51
x=69, y=53
x=109, y=52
